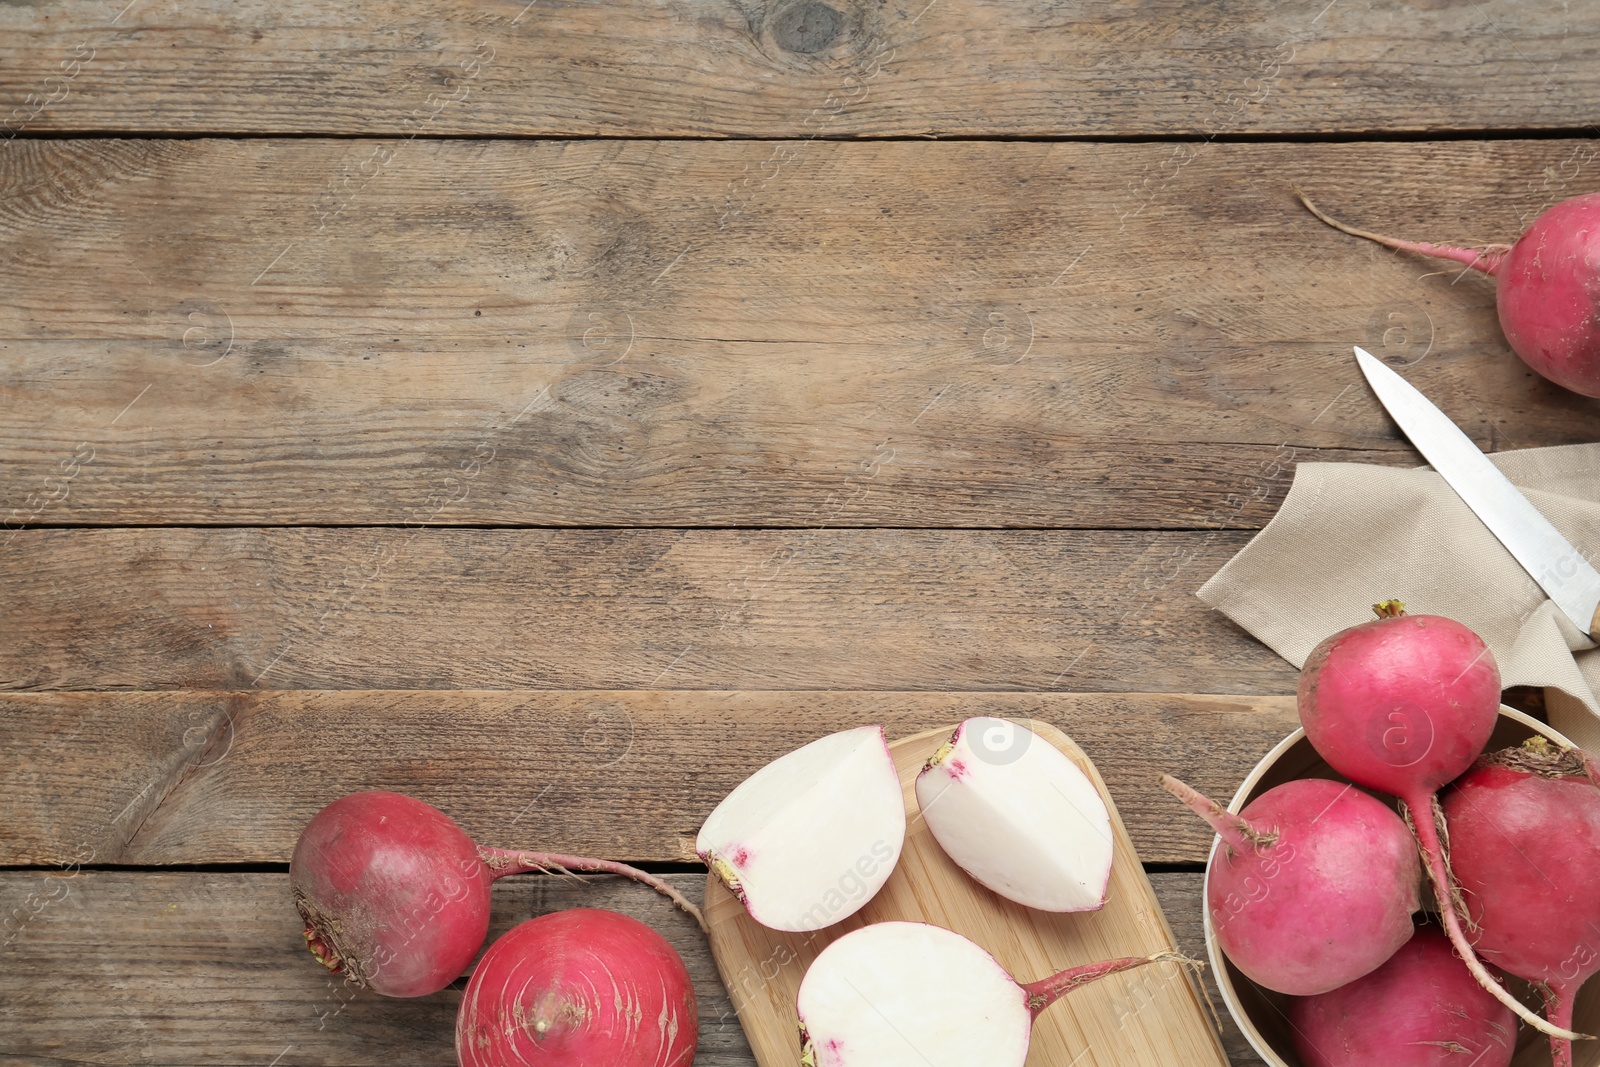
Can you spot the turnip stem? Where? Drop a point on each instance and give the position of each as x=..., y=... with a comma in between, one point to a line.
x=1046, y=991
x=1486, y=259
x=503, y=861
x=1433, y=861
x=1235, y=832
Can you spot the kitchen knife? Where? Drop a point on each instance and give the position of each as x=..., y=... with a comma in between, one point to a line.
x=1559, y=568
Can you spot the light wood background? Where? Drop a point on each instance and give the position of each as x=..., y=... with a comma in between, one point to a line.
x=556, y=410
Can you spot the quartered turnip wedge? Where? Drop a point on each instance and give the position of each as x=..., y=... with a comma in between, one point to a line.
x=905, y=994
x=1018, y=816
x=811, y=837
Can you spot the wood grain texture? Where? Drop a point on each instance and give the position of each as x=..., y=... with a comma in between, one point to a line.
x=835, y=68
x=926, y=610
x=217, y=777
x=696, y=334
x=1152, y=1017
x=183, y=969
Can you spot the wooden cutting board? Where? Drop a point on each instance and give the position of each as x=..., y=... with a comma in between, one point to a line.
x=1150, y=1017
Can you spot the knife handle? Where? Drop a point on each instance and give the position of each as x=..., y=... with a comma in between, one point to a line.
x=1594, y=624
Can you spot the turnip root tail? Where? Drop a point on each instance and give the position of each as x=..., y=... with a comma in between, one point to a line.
x=1558, y=1009
x=503, y=861
x=1238, y=834
x=1486, y=259
x=1046, y=991
x=1431, y=837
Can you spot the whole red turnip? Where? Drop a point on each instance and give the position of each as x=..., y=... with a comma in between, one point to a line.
x=1525, y=850
x=1314, y=885
x=395, y=895
x=1420, y=1009
x=578, y=988
x=1548, y=293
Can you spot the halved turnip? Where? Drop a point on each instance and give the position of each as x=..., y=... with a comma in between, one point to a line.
x=1019, y=816
x=905, y=994
x=811, y=837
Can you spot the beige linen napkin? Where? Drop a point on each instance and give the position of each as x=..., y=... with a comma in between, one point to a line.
x=1349, y=535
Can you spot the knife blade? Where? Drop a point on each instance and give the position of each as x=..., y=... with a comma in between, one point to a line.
x=1549, y=558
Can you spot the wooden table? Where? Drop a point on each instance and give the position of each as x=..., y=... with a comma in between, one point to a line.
x=555, y=410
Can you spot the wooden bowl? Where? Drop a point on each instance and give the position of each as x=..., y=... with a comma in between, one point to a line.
x=1261, y=1013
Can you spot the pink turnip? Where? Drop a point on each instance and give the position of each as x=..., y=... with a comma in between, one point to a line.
x=395, y=895
x=1420, y=1009
x=1525, y=850
x=907, y=994
x=1314, y=884
x=578, y=988
x=1404, y=704
x=1548, y=287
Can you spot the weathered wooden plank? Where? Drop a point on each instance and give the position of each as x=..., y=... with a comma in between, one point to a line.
x=796, y=67
x=202, y=968
x=927, y=610
x=667, y=333
x=188, y=968
x=215, y=777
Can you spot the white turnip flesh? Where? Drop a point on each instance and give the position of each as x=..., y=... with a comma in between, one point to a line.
x=808, y=839
x=1018, y=816
x=905, y=994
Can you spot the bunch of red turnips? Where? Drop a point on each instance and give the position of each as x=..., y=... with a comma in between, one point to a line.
x=1548, y=287
x=1314, y=885
x=395, y=897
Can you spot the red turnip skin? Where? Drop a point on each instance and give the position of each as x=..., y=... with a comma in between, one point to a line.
x=395, y=895
x=1548, y=292
x=1403, y=705
x=1420, y=1009
x=578, y=988
x=1525, y=850
x=1315, y=884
